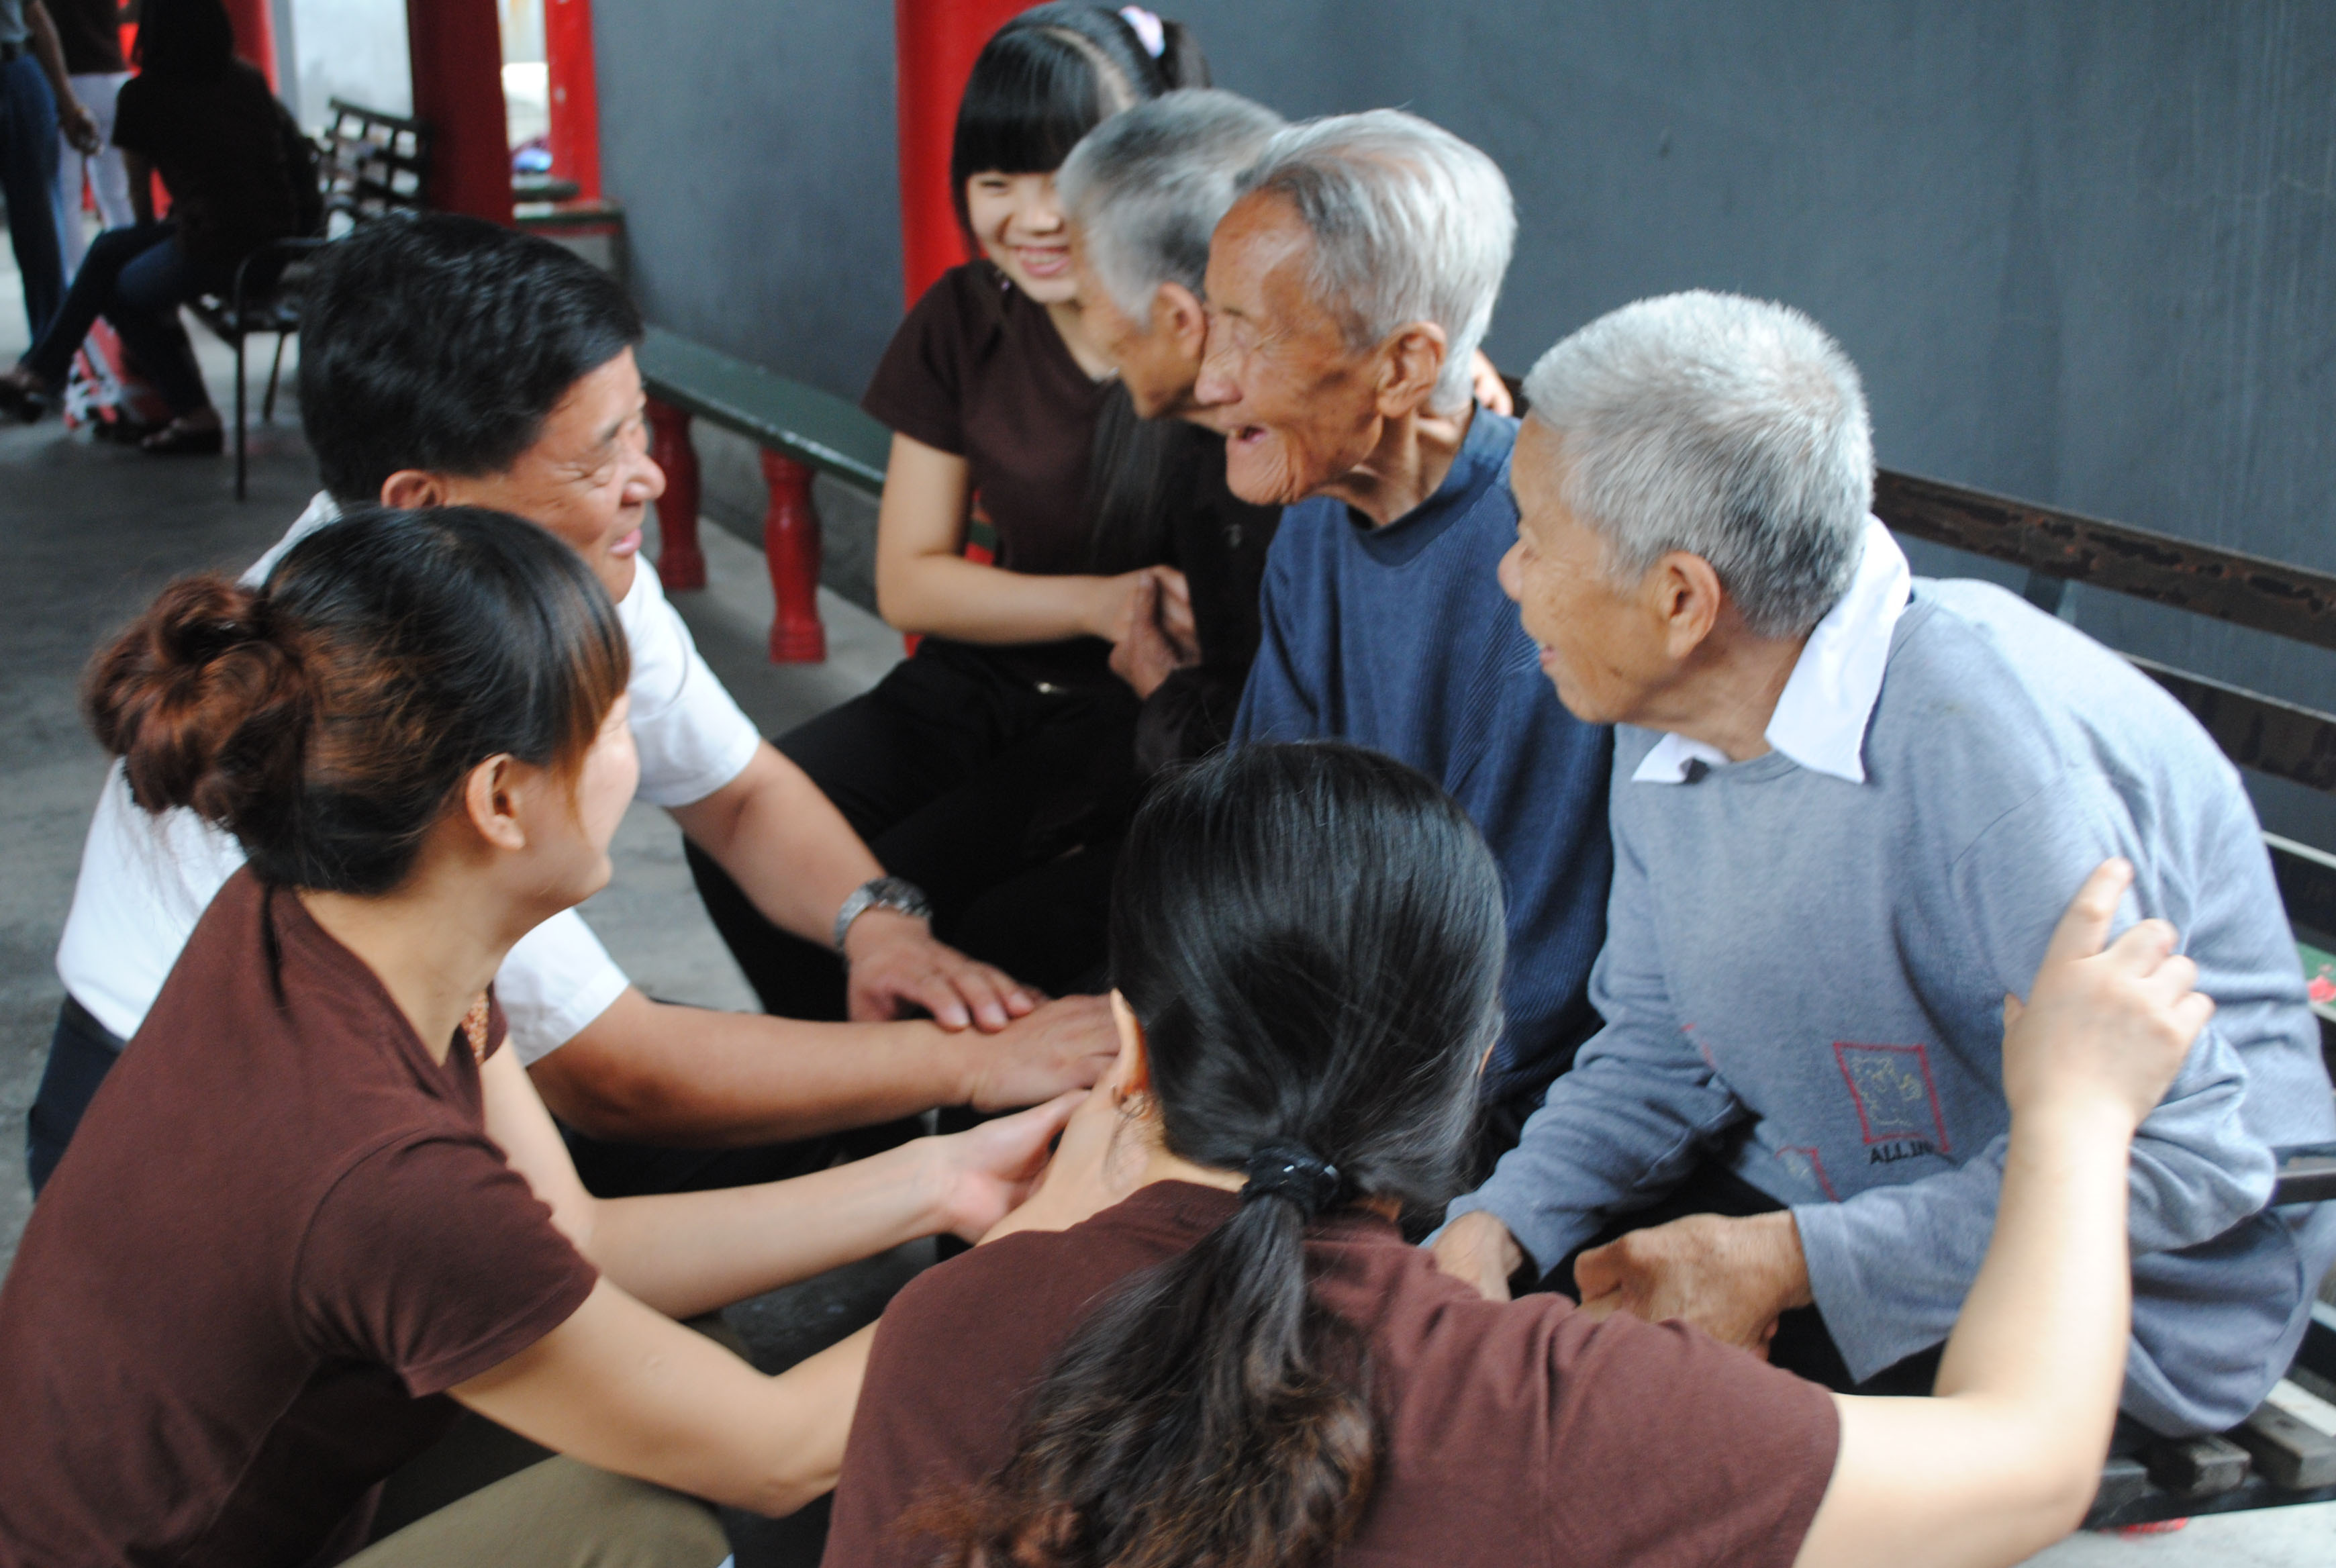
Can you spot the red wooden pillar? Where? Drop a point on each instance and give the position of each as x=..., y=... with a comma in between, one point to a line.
x=457, y=51
x=575, y=94
x=680, y=564
x=255, y=34
x=934, y=44
x=790, y=550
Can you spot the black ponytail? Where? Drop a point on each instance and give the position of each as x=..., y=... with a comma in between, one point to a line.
x=1311, y=937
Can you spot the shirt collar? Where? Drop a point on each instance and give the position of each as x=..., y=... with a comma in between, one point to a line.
x=1821, y=718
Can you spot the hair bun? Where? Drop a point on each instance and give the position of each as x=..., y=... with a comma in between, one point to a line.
x=203, y=698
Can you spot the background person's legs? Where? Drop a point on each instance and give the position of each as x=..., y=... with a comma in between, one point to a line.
x=91, y=296
x=107, y=174
x=28, y=165
x=559, y=1514
x=144, y=309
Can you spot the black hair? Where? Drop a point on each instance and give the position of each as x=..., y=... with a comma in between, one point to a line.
x=328, y=719
x=443, y=343
x=1311, y=937
x=1048, y=77
x=189, y=38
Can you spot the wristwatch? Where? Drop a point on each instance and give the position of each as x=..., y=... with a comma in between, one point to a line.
x=881, y=893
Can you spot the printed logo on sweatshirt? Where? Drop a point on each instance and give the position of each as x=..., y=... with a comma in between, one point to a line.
x=1897, y=1102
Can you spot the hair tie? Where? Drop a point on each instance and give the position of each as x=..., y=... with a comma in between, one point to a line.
x=1148, y=30
x=1299, y=1174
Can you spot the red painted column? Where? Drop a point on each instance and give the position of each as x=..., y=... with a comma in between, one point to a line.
x=680, y=564
x=791, y=548
x=934, y=44
x=255, y=34
x=575, y=94
x=457, y=51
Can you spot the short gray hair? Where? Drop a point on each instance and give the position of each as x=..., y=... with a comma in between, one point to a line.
x=1410, y=223
x=1146, y=188
x=1732, y=429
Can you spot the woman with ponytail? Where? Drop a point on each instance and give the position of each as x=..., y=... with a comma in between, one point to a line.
x=416, y=731
x=1209, y=1347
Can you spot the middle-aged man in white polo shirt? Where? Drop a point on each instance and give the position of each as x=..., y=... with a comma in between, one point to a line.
x=1849, y=806
x=446, y=360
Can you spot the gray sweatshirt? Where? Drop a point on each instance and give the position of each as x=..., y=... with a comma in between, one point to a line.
x=1810, y=973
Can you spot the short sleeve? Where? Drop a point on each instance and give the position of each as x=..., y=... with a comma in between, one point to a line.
x=556, y=979
x=433, y=1257
x=691, y=734
x=1670, y=1447
x=134, y=114
x=919, y=387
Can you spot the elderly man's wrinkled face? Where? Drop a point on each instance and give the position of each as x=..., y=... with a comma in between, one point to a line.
x=1600, y=642
x=1159, y=361
x=1297, y=407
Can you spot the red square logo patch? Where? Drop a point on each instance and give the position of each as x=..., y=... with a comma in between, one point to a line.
x=1896, y=1101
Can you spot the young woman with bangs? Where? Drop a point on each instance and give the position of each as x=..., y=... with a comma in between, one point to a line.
x=1006, y=743
x=416, y=729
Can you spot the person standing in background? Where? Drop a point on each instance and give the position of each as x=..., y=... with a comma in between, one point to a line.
x=37, y=106
x=89, y=33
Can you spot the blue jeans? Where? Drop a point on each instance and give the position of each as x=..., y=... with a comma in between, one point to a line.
x=29, y=179
x=136, y=279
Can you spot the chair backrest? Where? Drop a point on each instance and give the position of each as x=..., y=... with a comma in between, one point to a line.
x=374, y=162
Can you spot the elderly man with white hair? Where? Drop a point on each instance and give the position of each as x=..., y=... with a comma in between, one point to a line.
x=1348, y=291
x=1849, y=806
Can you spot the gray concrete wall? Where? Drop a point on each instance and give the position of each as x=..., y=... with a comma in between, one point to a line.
x=2077, y=247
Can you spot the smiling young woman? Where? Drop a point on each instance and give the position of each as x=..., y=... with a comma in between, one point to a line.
x=1006, y=743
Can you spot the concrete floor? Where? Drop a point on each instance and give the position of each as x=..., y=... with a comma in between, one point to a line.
x=95, y=530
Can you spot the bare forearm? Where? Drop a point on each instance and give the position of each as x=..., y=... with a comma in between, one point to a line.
x=949, y=596
x=784, y=842
x=690, y=1252
x=48, y=50
x=690, y=1078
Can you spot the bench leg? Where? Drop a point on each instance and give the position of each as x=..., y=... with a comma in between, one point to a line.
x=680, y=564
x=791, y=545
x=239, y=459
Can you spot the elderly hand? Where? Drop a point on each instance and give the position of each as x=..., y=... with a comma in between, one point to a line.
x=1484, y=381
x=1730, y=1277
x=1478, y=1249
x=1065, y=1044
x=896, y=964
x=1156, y=636
x=982, y=1173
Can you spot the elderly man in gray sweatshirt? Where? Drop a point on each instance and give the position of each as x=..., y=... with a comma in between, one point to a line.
x=1848, y=806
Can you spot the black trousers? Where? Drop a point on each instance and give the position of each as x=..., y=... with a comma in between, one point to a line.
x=82, y=1051
x=1003, y=800
x=1801, y=1344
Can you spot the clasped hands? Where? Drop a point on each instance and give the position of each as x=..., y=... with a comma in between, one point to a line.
x=1152, y=636
x=1731, y=1278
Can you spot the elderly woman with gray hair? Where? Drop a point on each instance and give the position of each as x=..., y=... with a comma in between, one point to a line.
x=1348, y=291
x=1848, y=806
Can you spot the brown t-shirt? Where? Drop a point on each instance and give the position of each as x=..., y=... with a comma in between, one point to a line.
x=1513, y=1433
x=979, y=371
x=280, y=1232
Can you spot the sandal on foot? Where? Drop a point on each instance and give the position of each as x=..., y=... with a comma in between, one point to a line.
x=175, y=440
x=22, y=402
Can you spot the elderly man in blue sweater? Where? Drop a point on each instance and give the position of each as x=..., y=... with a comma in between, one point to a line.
x=1848, y=807
x=1348, y=290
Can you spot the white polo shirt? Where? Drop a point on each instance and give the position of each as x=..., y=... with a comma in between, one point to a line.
x=145, y=879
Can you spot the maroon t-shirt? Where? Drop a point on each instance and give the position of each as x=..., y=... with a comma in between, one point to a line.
x=979, y=371
x=1511, y=1434
x=280, y=1232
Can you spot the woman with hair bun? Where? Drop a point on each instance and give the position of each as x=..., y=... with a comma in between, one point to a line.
x=417, y=731
x=1238, y=1362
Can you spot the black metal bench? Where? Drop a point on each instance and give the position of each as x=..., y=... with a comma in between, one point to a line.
x=371, y=163
x=2284, y=1453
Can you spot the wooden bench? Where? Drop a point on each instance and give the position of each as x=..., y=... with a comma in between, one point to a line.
x=2286, y=1451
x=802, y=432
